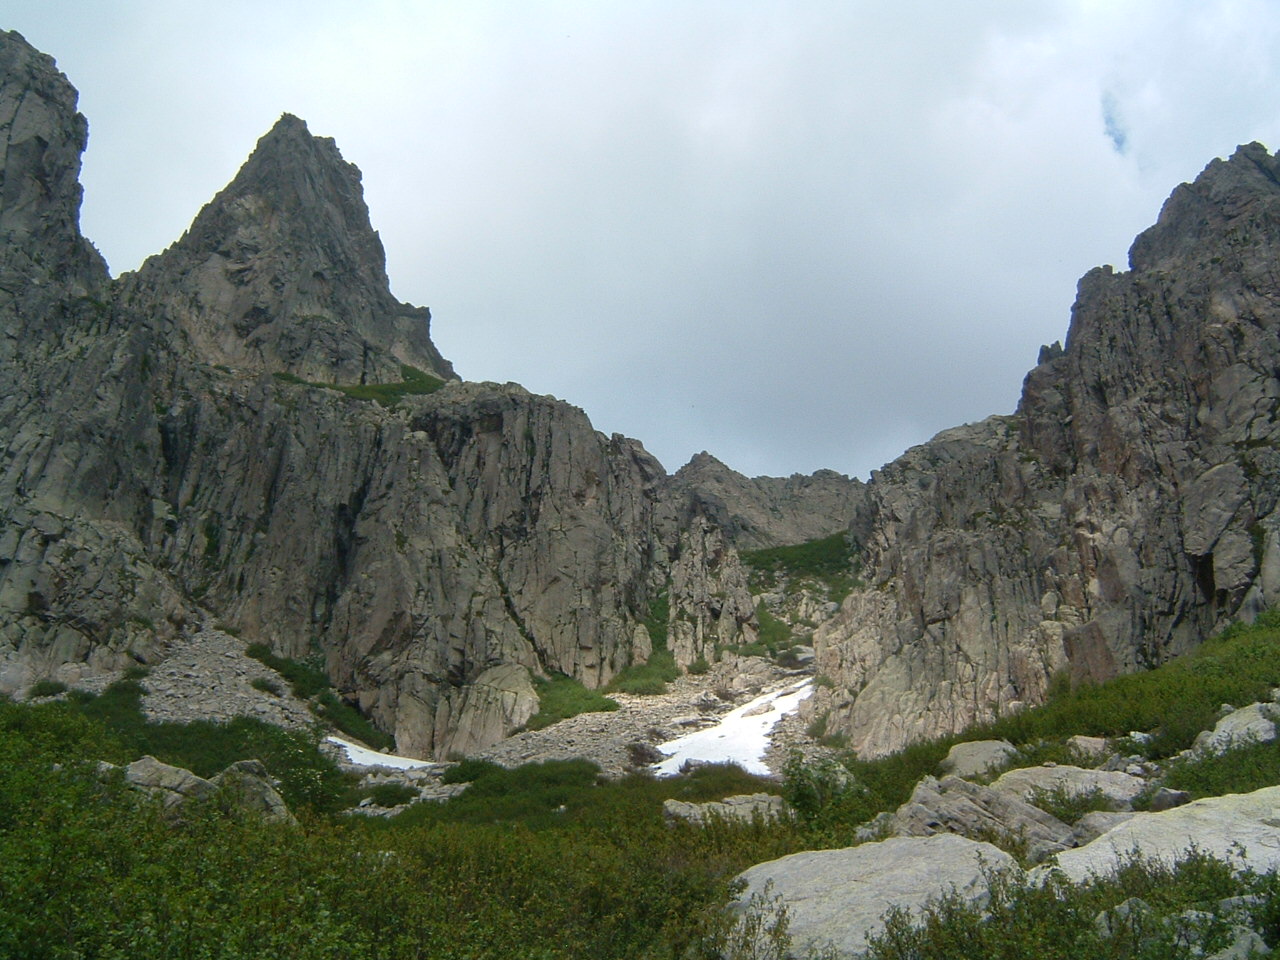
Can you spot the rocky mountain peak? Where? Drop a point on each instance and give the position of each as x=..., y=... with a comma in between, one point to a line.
x=41, y=139
x=283, y=271
x=1225, y=197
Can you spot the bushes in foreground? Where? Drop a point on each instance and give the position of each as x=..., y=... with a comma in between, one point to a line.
x=1150, y=910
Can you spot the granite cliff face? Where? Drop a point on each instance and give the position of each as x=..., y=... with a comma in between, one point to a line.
x=1123, y=512
x=177, y=451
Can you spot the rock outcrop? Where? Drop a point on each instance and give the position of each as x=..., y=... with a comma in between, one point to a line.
x=745, y=807
x=1240, y=828
x=244, y=430
x=1125, y=511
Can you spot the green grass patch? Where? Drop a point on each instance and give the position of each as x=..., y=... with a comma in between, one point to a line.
x=306, y=679
x=1069, y=805
x=1239, y=770
x=309, y=682
x=649, y=678
x=1055, y=920
x=774, y=634
x=264, y=685
x=414, y=382
x=561, y=697
x=1174, y=701
x=829, y=561
x=656, y=623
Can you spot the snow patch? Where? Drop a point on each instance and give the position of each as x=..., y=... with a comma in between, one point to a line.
x=742, y=737
x=364, y=757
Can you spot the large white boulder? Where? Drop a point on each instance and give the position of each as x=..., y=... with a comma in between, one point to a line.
x=1251, y=724
x=975, y=757
x=1241, y=827
x=837, y=898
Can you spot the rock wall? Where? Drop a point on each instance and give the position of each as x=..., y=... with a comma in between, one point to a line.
x=171, y=457
x=1126, y=510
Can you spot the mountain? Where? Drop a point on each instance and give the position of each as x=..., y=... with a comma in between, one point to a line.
x=250, y=430
x=1125, y=510
x=760, y=512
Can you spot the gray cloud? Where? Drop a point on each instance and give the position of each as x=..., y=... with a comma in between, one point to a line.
x=796, y=235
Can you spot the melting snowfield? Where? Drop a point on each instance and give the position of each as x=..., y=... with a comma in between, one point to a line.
x=365, y=757
x=742, y=737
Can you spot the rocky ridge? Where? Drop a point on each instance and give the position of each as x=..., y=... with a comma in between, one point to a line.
x=1126, y=510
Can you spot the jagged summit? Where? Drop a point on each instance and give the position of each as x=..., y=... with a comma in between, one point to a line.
x=282, y=271
x=1228, y=195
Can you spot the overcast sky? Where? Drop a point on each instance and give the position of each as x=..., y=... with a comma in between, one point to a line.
x=797, y=234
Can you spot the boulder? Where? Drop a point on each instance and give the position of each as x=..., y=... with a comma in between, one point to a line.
x=976, y=757
x=247, y=787
x=1095, y=823
x=1119, y=788
x=837, y=898
x=1091, y=748
x=1251, y=724
x=172, y=785
x=952, y=805
x=244, y=787
x=1243, y=828
x=743, y=807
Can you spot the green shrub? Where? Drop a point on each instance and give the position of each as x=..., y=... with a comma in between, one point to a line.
x=265, y=685
x=351, y=721
x=817, y=727
x=561, y=697
x=391, y=794
x=829, y=561
x=48, y=688
x=774, y=634
x=1239, y=770
x=1067, y=805
x=649, y=678
x=309, y=682
x=699, y=667
x=470, y=769
x=1055, y=920
x=306, y=680
x=1175, y=700
x=308, y=777
x=657, y=622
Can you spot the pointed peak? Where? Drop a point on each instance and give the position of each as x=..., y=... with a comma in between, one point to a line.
x=701, y=465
